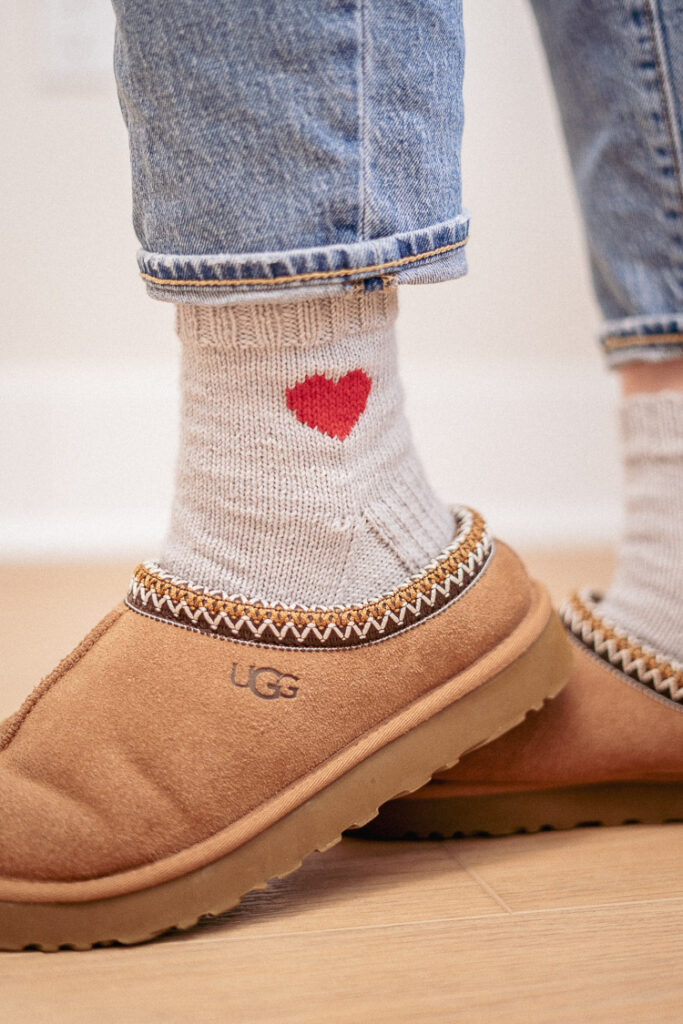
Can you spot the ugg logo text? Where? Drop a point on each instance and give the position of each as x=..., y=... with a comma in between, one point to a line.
x=267, y=683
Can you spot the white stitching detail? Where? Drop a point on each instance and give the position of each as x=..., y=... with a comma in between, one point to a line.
x=147, y=599
x=662, y=678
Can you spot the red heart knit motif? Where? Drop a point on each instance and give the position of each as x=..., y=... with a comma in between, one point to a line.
x=332, y=408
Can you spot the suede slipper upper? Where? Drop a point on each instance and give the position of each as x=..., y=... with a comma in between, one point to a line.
x=608, y=749
x=195, y=745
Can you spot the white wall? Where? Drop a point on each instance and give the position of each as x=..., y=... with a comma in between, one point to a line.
x=511, y=406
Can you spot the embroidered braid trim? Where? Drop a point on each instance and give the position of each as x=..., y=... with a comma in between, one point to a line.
x=162, y=596
x=623, y=652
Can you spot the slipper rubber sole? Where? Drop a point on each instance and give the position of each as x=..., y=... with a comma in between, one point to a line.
x=440, y=816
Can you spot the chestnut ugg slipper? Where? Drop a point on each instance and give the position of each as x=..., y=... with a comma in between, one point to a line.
x=194, y=746
x=608, y=750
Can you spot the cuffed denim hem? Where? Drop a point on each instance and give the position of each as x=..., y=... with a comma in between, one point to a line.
x=643, y=339
x=436, y=253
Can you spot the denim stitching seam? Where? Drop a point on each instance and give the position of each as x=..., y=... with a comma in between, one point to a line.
x=615, y=341
x=313, y=275
x=362, y=183
x=665, y=94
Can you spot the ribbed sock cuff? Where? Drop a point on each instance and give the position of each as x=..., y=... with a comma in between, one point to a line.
x=652, y=424
x=306, y=324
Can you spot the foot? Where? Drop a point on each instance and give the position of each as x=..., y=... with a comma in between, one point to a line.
x=194, y=746
x=608, y=750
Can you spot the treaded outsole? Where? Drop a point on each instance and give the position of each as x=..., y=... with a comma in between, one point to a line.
x=505, y=814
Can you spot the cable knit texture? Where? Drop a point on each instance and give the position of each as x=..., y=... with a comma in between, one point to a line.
x=297, y=480
x=646, y=596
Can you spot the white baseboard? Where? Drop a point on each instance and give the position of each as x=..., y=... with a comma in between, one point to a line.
x=87, y=453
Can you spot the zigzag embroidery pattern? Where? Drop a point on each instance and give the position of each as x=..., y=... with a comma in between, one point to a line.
x=163, y=596
x=623, y=652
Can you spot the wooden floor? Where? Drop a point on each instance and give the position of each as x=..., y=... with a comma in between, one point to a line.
x=559, y=927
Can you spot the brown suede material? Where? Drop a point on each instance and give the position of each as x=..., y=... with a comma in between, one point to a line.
x=139, y=744
x=601, y=728
x=6, y=725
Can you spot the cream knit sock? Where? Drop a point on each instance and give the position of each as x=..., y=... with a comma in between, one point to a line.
x=297, y=480
x=646, y=596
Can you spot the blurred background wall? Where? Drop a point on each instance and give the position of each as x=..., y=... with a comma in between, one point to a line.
x=512, y=408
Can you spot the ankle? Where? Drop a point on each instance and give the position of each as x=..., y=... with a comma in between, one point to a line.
x=649, y=378
x=297, y=479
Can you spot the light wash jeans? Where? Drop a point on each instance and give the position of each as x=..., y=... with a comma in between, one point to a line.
x=302, y=146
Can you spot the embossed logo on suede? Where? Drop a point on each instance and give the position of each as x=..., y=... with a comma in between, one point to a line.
x=267, y=683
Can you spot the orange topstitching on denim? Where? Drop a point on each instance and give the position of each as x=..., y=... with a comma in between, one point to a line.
x=669, y=118
x=310, y=276
x=631, y=340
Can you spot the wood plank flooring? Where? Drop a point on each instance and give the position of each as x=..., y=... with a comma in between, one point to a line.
x=557, y=927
